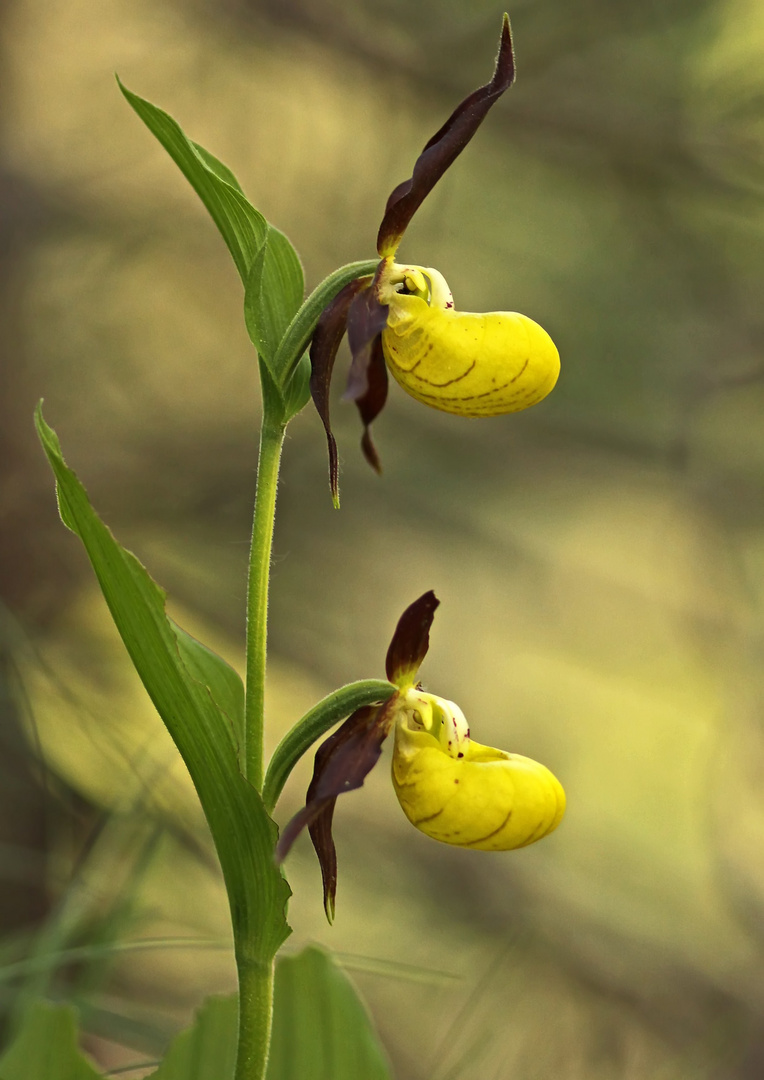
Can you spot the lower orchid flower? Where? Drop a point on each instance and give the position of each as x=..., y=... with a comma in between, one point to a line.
x=450, y=787
x=403, y=318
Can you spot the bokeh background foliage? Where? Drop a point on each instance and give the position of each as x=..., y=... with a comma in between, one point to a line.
x=599, y=558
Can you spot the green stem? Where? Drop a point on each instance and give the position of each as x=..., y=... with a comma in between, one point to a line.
x=255, y=1018
x=256, y=978
x=271, y=441
x=331, y=709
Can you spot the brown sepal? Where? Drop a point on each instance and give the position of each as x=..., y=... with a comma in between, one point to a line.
x=341, y=764
x=411, y=639
x=327, y=336
x=444, y=147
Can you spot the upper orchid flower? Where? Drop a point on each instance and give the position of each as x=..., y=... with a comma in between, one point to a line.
x=450, y=787
x=403, y=318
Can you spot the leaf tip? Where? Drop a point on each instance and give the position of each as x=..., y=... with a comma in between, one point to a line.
x=123, y=89
x=45, y=432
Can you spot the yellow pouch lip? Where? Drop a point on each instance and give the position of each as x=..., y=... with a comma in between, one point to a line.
x=488, y=799
x=471, y=364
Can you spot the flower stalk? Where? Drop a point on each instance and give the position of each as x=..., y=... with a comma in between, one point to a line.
x=271, y=441
x=255, y=977
x=255, y=1019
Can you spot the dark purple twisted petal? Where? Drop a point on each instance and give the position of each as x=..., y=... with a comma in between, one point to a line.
x=366, y=319
x=341, y=764
x=368, y=389
x=411, y=639
x=367, y=378
x=444, y=147
x=327, y=336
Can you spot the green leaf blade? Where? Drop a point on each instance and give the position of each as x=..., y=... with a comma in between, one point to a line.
x=273, y=295
x=243, y=832
x=207, y=1050
x=216, y=165
x=320, y=1029
x=45, y=1047
x=297, y=389
x=320, y=1025
x=242, y=227
x=223, y=683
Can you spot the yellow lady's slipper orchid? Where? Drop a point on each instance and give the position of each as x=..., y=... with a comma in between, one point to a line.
x=459, y=362
x=450, y=787
x=460, y=792
x=403, y=318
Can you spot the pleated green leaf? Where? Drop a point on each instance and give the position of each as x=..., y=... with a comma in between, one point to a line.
x=186, y=691
x=267, y=263
x=242, y=227
x=320, y=1025
x=217, y=166
x=297, y=388
x=207, y=1050
x=45, y=1047
x=273, y=295
x=224, y=684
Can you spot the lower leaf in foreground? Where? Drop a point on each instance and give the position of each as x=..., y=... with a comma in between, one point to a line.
x=206, y=1050
x=193, y=705
x=320, y=1028
x=45, y=1047
x=320, y=1025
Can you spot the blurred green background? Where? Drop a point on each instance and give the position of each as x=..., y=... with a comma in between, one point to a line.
x=599, y=559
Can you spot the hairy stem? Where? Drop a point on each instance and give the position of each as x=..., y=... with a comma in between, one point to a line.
x=255, y=1018
x=271, y=441
x=256, y=978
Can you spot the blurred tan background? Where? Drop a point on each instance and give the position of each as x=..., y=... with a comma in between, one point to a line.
x=599, y=558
